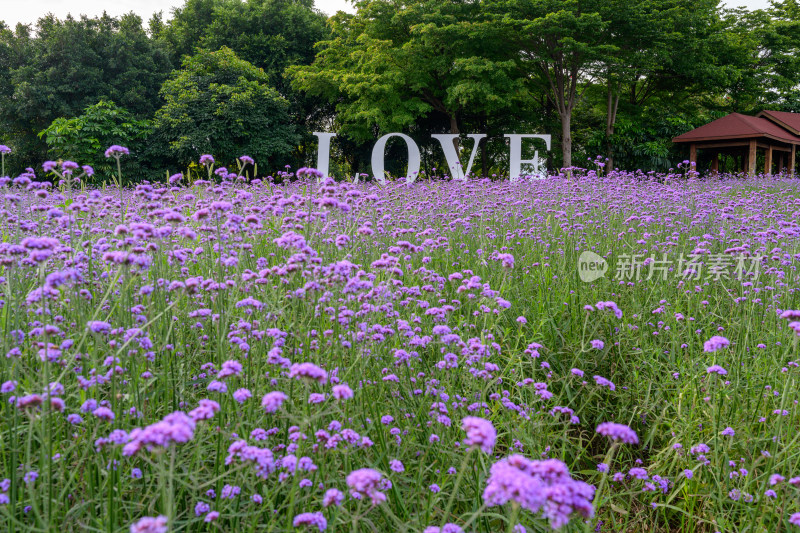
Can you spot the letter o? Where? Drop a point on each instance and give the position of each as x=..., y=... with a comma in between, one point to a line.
x=379, y=152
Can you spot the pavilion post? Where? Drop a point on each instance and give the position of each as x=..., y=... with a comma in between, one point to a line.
x=693, y=154
x=768, y=160
x=715, y=163
x=751, y=157
x=791, y=161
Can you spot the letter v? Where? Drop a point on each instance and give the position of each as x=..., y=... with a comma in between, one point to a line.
x=446, y=140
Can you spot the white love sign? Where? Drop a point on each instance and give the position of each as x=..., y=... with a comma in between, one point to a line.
x=518, y=167
x=379, y=151
x=449, y=149
x=516, y=161
x=324, y=151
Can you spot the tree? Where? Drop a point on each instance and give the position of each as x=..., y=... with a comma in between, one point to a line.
x=783, y=44
x=557, y=43
x=84, y=138
x=221, y=105
x=270, y=34
x=65, y=66
x=762, y=50
x=661, y=52
x=397, y=64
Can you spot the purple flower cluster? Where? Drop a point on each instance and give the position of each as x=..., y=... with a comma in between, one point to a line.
x=205, y=410
x=610, y=306
x=480, y=433
x=618, y=432
x=272, y=401
x=262, y=459
x=116, y=151
x=176, y=428
x=308, y=372
x=313, y=520
x=603, y=382
x=368, y=482
x=333, y=497
x=544, y=487
x=149, y=524
x=447, y=528
x=716, y=343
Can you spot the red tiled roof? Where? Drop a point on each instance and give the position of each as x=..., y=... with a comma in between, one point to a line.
x=738, y=126
x=789, y=121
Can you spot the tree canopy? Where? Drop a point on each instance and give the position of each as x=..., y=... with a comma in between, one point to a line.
x=59, y=67
x=85, y=138
x=611, y=78
x=222, y=105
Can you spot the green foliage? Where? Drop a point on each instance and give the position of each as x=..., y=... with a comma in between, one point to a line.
x=620, y=77
x=85, y=138
x=270, y=34
x=645, y=142
x=67, y=65
x=555, y=43
x=763, y=51
x=424, y=66
x=222, y=105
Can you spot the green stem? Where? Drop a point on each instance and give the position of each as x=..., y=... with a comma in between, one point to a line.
x=119, y=186
x=514, y=515
x=460, y=476
x=598, y=498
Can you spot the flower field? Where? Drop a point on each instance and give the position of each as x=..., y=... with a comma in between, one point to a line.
x=239, y=354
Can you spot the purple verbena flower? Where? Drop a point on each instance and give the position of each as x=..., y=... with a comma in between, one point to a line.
x=272, y=401
x=308, y=372
x=342, y=392
x=149, y=524
x=716, y=369
x=368, y=482
x=332, y=497
x=619, y=432
x=176, y=428
x=311, y=520
x=116, y=150
x=242, y=395
x=603, y=382
x=480, y=433
x=715, y=343
x=539, y=486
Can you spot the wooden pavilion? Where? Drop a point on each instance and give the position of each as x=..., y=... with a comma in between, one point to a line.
x=777, y=133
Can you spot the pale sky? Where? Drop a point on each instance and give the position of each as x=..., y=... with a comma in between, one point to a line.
x=28, y=11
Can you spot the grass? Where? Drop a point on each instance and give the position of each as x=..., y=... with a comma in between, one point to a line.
x=173, y=283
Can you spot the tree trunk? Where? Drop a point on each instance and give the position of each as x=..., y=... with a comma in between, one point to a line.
x=611, y=119
x=549, y=109
x=566, y=137
x=454, y=130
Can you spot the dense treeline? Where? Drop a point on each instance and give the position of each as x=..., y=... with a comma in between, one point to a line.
x=608, y=78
